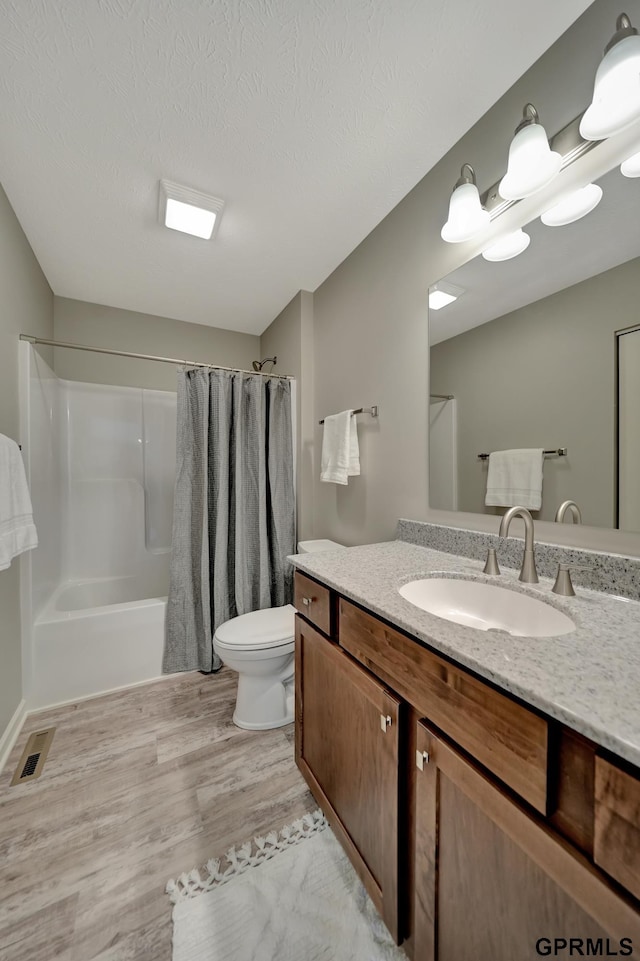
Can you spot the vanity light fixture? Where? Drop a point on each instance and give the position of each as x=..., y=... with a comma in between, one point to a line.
x=467, y=216
x=616, y=93
x=573, y=206
x=508, y=246
x=631, y=166
x=532, y=163
x=187, y=210
x=442, y=294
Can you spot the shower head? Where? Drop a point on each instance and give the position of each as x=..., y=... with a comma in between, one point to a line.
x=259, y=364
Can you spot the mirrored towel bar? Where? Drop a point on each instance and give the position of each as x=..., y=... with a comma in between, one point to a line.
x=362, y=410
x=559, y=452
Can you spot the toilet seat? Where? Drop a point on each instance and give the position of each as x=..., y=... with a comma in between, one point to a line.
x=264, y=630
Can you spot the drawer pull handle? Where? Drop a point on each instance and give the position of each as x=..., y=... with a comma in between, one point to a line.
x=385, y=722
x=307, y=601
x=422, y=758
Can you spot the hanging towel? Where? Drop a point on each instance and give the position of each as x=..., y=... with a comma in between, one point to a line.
x=515, y=477
x=340, y=451
x=17, y=530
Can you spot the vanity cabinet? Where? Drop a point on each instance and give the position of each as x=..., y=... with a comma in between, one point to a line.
x=510, y=740
x=477, y=825
x=491, y=879
x=348, y=730
x=617, y=824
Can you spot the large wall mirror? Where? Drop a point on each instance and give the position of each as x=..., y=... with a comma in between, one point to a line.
x=543, y=351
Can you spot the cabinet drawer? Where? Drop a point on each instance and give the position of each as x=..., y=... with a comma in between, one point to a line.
x=508, y=739
x=313, y=601
x=616, y=843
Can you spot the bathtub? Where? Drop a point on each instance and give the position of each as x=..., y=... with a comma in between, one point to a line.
x=96, y=636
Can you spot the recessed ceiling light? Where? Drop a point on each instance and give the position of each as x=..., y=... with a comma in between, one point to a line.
x=442, y=294
x=187, y=210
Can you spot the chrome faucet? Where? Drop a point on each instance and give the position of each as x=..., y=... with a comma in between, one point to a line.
x=575, y=512
x=528, y=573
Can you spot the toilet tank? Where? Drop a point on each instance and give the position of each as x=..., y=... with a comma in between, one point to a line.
x=314, y=547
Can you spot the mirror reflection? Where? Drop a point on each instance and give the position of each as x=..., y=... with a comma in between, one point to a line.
x=543, y=352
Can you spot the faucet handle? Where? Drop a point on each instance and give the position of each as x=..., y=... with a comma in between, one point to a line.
x=563, y=584
x=491, y=563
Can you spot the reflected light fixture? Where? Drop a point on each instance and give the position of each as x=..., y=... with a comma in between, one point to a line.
x=442, y=294
x=631, y=166
x=573, y=206
x=508, y=246
x=616, y=93
x=467, y=217
x=532, y=163
x=187, y=210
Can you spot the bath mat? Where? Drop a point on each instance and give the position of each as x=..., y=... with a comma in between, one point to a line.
x=291, y=896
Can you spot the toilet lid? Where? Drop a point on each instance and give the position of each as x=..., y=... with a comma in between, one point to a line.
x=259, y=630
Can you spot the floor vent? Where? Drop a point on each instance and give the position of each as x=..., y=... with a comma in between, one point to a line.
x=33, y=757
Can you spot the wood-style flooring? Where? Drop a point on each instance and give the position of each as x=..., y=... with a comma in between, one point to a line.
x=139, y=786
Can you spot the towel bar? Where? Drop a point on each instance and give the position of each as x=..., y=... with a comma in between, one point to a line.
x=559, y=451
x=362, y=410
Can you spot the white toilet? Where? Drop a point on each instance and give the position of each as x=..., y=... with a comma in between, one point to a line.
x=260, y=647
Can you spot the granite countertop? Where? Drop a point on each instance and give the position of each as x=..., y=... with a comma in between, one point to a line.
x=588, y=679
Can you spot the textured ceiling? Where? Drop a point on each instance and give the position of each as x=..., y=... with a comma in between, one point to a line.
x=311, y=118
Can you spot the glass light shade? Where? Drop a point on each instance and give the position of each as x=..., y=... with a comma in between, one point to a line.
x=507, y=247
x=631, y=166
x=616, y=93
x=532, y=163
x=467, y=216
x=573, y=206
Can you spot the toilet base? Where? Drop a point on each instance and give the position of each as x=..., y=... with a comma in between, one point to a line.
x=263, y=725
x=263, y=703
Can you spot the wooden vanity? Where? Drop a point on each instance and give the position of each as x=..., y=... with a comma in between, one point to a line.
x=479, y=826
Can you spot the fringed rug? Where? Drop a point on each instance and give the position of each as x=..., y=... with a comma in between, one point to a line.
x=291, y=896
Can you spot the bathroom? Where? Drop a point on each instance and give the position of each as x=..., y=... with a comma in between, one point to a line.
x=354, y=335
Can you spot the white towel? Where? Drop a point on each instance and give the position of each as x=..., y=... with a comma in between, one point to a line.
x=515, y=477
x=17, y=530
x=340, y=451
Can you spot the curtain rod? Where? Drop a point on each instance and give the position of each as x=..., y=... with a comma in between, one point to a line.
x=163, y=360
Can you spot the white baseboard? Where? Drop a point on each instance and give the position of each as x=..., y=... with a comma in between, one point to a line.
x=37, y=709
x=11, y=733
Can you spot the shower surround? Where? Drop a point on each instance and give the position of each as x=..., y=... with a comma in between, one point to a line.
x=101, y=464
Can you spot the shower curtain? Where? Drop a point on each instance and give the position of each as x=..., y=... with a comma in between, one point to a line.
x=234, y=513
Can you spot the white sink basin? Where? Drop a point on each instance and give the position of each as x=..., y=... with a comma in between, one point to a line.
x=487, y=607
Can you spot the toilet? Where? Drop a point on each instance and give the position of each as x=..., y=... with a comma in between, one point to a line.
x=260, y=647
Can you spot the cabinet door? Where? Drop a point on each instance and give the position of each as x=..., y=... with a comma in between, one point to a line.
x=347, y=736
x=492, y=881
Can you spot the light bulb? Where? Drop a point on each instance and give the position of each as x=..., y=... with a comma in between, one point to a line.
x=616, y=92
x=573, y=206
x=467, y=216
x=508, y=246
x=631, y=166
x=532, y=164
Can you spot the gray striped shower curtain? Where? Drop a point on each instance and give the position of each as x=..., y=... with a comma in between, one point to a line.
x=234, y=510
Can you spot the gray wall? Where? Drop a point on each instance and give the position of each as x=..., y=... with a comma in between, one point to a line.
x=27, y=307
x=370, y=315
x=289, y=338
x=76, y=321
x=543, y=376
